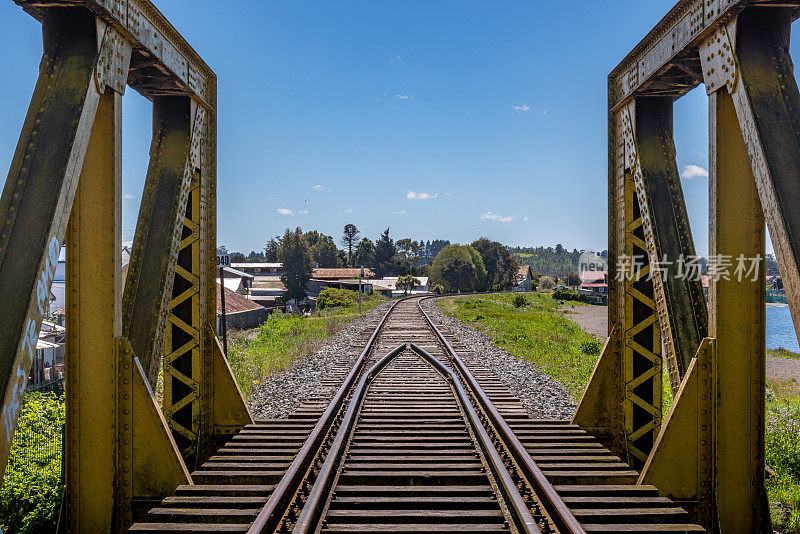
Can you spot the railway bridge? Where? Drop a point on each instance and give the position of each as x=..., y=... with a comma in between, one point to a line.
x=410, y=432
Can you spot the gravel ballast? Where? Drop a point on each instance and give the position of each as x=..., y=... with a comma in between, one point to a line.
x=281, y=393
x=542, y=396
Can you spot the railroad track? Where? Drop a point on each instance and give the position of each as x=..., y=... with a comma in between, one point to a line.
x=411, y=433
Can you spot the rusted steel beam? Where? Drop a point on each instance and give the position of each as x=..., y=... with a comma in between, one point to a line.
x=155, y=42
x=151, y=271
x=38, y=195
x=674, y=39
x=680, y=303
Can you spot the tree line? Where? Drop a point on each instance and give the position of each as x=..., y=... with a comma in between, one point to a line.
x=384, y=255
x=556, y=260
x=484, y=265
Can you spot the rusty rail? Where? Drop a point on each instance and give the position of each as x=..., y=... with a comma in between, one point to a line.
x=311, y=514
x=556, y=508
x=270, y=515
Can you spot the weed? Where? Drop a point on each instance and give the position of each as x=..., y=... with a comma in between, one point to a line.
x=537, y=332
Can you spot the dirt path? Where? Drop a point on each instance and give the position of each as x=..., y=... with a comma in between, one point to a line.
x=781, y=372
x=591, y=319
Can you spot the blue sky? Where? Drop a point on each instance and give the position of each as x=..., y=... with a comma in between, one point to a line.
x=443, y=119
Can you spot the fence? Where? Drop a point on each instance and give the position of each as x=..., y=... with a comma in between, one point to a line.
x=39, y=439
x=776, y=296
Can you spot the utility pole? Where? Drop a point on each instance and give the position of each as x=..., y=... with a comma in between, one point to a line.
x=360, y=276
x=222, y=261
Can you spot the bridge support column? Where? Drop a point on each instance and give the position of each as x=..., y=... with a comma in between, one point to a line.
x=117, y=447
x=630, y=366
x=38, y=194
x=682, y=314
x=93, y=323
x=737, y=319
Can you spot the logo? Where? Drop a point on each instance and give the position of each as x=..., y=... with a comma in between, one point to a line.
x=590, y=263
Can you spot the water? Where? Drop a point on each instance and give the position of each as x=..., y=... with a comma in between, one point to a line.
x=780, y=329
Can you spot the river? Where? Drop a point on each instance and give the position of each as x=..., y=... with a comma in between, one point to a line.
x=780, y=330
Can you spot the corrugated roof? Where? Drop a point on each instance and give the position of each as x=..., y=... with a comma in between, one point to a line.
x=234, y=302
x=340, y=273
x=238, y=265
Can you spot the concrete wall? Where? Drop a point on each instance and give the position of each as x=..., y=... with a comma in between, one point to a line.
x=244, y=320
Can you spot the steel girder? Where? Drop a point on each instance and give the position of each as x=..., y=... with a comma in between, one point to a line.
x=709, y=454
x=682, y=314
x=622, y=402
x=120, y=453
x=38, y=196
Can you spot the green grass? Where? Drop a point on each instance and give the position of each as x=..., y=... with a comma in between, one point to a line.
x=31, y=492
x=783, y=456
x=783, y=353
x=284, y=339
x=537, y=332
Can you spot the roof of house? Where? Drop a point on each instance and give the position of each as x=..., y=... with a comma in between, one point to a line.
x=234, y=284
x=327, y=273
x=230, y=272
x=593, y=276
x=269, y=284
x=234, y=302
x=257, y=265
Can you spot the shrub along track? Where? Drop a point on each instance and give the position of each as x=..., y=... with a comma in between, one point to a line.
x=413, y=434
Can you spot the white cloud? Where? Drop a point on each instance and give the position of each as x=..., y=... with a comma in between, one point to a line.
x=287, y=211
x=127, y=197
x=448, y=194
x=693, y=171
x=348, y=211
x=401, y=212
x=411, y=195
x=321, y=188
x=489, y=216
x=403, y=97
x=523, y=107
x=397, y=59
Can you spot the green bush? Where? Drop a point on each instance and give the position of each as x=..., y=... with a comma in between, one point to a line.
x=331, y=297
x=783, y=456
x=565, y=294
x=31, y=492
x=591, y=347
x=783, y=436
x=519, y=301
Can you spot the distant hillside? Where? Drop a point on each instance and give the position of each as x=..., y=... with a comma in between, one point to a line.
x=550, y=260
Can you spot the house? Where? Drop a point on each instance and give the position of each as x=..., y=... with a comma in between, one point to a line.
x=48, y=363
x=267, y=290
x=259, y=269
x=594, y=286
x=324, y=273
x=240, y=312
x=524, y=278
x=236, y=280
x=390, y=282
x=323, y=277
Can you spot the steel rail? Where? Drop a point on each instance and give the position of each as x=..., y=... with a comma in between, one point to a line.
x=271, y=514
x=320, y=493
x=556, y=508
